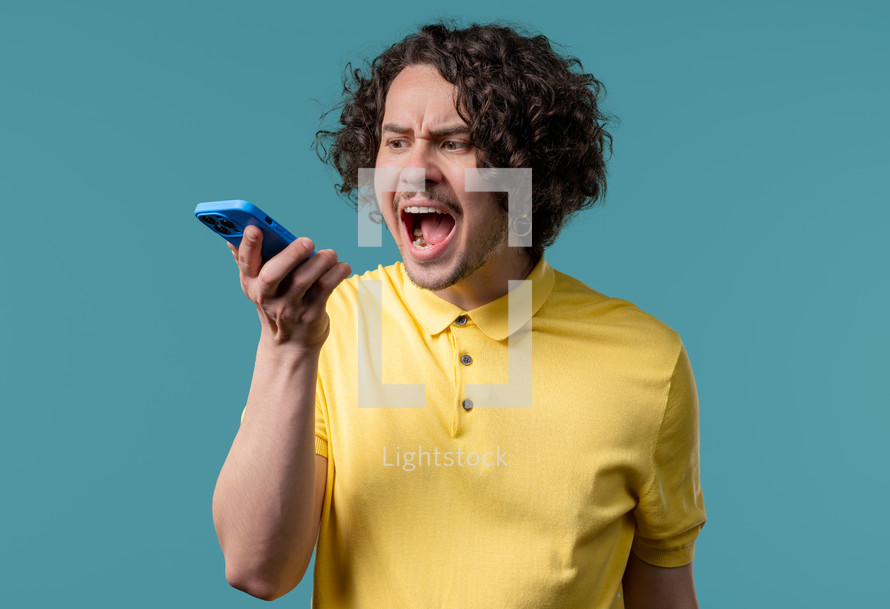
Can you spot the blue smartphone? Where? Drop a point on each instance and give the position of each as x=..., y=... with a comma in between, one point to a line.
x=229, y=218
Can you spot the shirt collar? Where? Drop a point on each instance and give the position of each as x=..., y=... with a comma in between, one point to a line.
x=436, y=314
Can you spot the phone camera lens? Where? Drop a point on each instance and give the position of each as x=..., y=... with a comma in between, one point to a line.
x=209, y=219
x=228, y=224
x=222, y=229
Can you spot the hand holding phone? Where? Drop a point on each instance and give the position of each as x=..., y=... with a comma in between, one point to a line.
x=280, y=274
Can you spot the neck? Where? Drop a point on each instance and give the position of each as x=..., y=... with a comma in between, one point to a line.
x=488, y=283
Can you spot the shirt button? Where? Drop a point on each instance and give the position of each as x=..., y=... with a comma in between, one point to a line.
x=461, y=320
x=468, y=405
x=466, y=360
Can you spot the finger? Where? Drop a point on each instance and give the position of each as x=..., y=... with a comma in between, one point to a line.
x=316, y=297
x=234, y=251
x=334, y=276
x=249, y=254
x=306, y=275
x=284, y=262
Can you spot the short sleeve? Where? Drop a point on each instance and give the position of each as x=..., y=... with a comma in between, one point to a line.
x=671, y=508
x=321, y=434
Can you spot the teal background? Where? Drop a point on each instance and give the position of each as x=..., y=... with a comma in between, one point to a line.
x=747, y=208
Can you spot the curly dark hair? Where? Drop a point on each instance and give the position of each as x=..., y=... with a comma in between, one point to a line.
x=526, y=107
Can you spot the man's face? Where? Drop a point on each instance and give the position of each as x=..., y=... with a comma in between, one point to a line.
x=465, y=231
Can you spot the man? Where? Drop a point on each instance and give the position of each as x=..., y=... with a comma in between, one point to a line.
x=588, y=495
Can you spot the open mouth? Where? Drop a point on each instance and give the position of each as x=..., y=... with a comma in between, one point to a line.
x=427, y=229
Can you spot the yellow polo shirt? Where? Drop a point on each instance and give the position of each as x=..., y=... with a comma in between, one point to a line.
x=441, y=493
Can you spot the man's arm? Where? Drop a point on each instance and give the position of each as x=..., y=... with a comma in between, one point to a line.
x=649, y=587
x=267, y=501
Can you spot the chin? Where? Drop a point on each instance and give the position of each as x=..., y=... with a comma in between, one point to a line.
x=428, y=279
x=440, y=274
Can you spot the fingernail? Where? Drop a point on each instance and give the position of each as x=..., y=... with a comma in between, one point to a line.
x=306, y=242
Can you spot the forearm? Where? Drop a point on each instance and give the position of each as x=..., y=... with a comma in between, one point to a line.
x=649, y=587
x=263, y=501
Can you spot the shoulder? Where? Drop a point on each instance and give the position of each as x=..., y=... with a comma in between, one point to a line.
x=574, y=306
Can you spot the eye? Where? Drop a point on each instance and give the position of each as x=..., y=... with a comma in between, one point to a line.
x=454, y=146
x=397, y=144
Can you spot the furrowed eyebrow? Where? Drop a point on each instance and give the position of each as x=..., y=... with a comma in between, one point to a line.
x=395, y=129
x=443, y=132
x=451, y=130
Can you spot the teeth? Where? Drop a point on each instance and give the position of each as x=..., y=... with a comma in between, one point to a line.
x=419, y=242
x=419, y=209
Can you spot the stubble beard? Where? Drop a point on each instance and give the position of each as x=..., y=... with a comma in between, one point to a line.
x=480, y=251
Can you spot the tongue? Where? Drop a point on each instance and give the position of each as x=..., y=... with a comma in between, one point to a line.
x=436, y=227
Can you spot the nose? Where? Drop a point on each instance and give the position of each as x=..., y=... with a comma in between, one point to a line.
x=422, y=158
